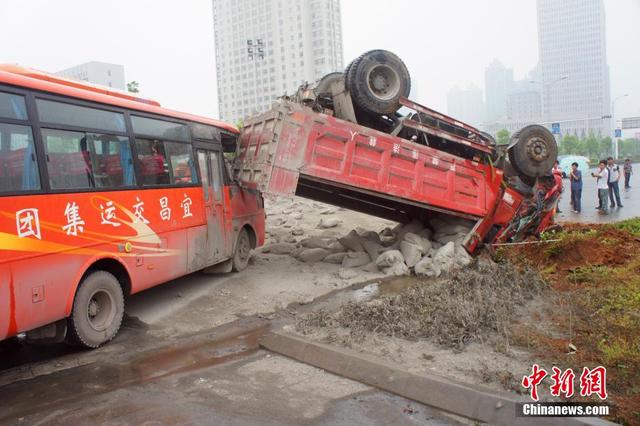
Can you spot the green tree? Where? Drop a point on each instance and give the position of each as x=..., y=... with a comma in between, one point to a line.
x=605, y=146
x=570, y=145
x=502, y=137
x=592, y=146
x=629, y=147
x=133, y=87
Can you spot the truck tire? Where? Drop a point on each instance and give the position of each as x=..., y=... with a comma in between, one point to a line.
x=324, y=85
x=242, y=251
x=376, y=81
x=532, y=151
x=98, y=309
x=490, y=139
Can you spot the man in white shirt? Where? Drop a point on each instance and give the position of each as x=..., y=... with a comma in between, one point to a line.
x=614, y=178
x=603, y=186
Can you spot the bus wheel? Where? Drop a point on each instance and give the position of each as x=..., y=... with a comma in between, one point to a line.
x=98, y=309
x=242, y=252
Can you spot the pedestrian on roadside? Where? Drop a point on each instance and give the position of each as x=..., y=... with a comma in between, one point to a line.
x=557, y=171
x=614, y=179
x=603, y=186
x=628, y=171
x=575, y=176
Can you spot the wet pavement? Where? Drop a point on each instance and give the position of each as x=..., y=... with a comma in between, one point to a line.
x=216, y=377
x=630, y=200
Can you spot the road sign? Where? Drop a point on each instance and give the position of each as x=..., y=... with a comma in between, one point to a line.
x=555, y=128
x=618, y=133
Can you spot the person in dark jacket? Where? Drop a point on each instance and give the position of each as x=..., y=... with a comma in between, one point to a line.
x=575, y=175
x=628, y=171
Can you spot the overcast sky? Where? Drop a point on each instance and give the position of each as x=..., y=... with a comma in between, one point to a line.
x=167, y=45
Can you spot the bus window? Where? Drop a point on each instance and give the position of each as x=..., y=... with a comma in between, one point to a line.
x=181, y=162
x=216, y=176
x=18, y=164
x=12, y=106
x=77, y=160
x=153, y=162
x=204, y=173
x=79, y=116
x=111, y=160
x=159, y=128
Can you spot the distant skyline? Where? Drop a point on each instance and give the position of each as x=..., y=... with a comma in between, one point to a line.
x=168, y=46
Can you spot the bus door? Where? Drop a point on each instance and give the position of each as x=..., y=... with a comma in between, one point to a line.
x=214, y=244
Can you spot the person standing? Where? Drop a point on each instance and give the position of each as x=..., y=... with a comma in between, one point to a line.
x=614, y=179
x=603, y=186
x=575, y=176
x=628, y=171
x=557, y=172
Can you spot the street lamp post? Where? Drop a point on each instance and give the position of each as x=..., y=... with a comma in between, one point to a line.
x=614, y=139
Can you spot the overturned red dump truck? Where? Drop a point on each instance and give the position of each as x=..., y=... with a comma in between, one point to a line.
x=355, y=140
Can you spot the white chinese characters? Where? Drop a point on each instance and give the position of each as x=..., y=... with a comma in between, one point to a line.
x=108, y=214
x=186, y=206
x=75, y=223
x=165, y=210
x=28, y=221
x=138, y=209
x=28, y=224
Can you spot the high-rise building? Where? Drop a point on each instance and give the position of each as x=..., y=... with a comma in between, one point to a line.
x=498, y=82
x=524, y=101
x=105, y=74
x=573, y=65
x=266, y=48
x=466, y=105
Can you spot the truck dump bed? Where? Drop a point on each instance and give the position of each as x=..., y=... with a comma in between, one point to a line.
x=292, y=149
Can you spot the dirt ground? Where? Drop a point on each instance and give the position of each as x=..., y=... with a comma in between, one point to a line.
x=594, y=272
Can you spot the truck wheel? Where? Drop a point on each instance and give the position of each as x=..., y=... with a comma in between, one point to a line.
x=242, y=251
x=324, y=85
x=377, y=80
x=491, y=141
x=98, y=309
x=533, y=151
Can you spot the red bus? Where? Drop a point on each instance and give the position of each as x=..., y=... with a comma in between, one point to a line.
x=103, y=195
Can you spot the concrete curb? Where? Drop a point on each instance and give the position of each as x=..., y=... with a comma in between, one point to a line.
x=473, y=402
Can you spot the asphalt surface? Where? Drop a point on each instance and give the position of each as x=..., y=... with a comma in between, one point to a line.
x=630, y=200
x=204, y=379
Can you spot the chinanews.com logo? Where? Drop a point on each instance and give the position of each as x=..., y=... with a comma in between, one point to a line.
x=591, y=383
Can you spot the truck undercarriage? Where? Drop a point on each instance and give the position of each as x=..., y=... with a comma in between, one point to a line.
x=355, y=140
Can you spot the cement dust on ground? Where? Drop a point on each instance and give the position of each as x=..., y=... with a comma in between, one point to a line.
x=457, y=326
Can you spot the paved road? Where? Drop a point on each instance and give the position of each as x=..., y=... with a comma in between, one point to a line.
x=630, y=201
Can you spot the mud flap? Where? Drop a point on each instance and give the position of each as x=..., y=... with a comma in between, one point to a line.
x=221, y=268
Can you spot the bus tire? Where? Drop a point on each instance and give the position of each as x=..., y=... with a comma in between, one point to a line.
x=98, y=310
x=242, y=251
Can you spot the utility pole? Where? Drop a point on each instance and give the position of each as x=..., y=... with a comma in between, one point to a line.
x=614, y=139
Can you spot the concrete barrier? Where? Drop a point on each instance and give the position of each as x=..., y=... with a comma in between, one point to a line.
x=473, y=402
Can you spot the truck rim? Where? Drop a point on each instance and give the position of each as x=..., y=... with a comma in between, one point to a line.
x=101, y=310
x=383, y=81
x=537, y=149
x=243, y=248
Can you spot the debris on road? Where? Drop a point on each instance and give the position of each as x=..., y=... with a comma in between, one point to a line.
x=429, y=250
x=473, y=305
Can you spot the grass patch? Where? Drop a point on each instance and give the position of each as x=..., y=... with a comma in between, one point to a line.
x=595, y=270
